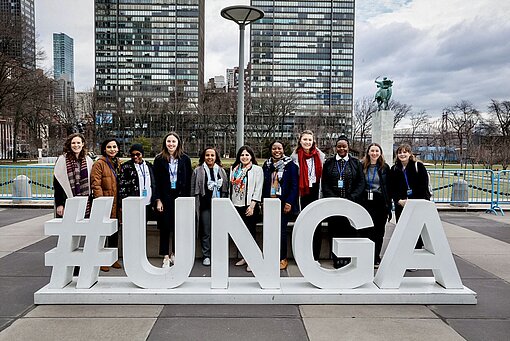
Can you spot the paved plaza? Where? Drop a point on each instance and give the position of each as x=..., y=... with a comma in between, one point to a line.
x=480, y=243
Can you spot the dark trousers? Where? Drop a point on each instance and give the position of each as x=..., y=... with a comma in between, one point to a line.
x=204, y=227
x=251, y=221
x=166, y=226
x=379, y=213
x=398, y=212
x=283, y=240
x=317, y=236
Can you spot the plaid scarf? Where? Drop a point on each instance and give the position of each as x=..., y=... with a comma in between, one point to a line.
x=77, y=174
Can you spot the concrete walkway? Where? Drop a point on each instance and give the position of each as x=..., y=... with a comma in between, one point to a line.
x=480, y=243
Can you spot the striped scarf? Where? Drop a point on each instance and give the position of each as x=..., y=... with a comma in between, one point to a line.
x=77, y=174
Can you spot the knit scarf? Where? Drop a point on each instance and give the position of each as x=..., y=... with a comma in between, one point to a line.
x=77, y=174
x=213, y=185
x=304, y=186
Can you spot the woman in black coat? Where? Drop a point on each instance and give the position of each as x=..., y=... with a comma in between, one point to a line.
x=172, y=171
x=281, y=178
x=342, y=177
x=409, y=180
x=376, y=199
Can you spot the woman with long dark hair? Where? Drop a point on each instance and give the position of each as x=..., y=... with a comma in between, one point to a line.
x=246, y=181
x=104, y=177
x=172, y=170
x=376, y=200
x=209, y=180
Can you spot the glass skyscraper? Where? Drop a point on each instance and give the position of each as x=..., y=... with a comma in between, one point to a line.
x=63, y=56
x=17, y=37
x=306, y=48
x=149, y=64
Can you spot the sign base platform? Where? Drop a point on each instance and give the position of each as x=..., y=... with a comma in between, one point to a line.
x=244, y=290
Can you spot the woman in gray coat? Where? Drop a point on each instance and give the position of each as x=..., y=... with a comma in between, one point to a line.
x=208, y=181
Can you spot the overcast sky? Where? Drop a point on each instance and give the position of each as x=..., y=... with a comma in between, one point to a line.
x=437, y=52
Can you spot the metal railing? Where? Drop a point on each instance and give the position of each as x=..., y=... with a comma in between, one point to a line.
x=26, y=182
x=457, y=187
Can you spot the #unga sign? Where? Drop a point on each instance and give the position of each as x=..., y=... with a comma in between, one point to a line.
x=352, y=284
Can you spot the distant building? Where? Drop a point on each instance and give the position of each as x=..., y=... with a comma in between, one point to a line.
x=306, y=49
x=17, y=37
x=149, y=65
x=63, y=56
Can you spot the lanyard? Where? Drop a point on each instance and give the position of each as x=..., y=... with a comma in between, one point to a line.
x=405, y=177
x=370, y=182
x=142, y=170
x=341, y=172
x=172, y=169
x=111, y=167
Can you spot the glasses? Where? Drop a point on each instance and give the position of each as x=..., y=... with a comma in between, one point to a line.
x=136, y=154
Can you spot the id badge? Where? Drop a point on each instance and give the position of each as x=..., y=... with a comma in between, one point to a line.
x=144, y=192
x=370, y=195
x=409, y=192
x=173, y=184
x=273, y=192
x=340, y=184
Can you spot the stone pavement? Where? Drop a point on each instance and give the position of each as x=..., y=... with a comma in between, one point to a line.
x=479, y=241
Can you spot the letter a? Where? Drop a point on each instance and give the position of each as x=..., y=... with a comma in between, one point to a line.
x=418, y=216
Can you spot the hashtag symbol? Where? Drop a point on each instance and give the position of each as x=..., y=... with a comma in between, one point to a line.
x=69, y=230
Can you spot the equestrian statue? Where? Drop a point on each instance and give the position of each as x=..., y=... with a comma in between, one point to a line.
x=383, y=94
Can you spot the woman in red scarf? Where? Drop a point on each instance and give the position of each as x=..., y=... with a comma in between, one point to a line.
x=309, y=160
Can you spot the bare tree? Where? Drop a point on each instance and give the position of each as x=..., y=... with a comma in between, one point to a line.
x=400, y=111
x=363, y=112
x=463, y=118
x=502, y=112
x=419, y=122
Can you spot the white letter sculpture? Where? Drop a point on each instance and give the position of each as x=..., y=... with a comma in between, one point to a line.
x=226, y=221
x=136, y=264
x=361, y=250
x=418, y=216
x=69, y=229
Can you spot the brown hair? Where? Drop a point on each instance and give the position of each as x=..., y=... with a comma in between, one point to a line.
x=68, y=151
x=178, y=151
x=406, y=148
x=366, y=158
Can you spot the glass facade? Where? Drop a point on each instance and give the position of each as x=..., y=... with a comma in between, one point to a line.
x=306, y=48
x=18, y=34
x=149, y=62
x=63, y=56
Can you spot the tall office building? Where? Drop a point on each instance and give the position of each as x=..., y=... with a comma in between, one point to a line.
x=63, y=56
x=17, y=35
x=149, y=64
x=306, y=48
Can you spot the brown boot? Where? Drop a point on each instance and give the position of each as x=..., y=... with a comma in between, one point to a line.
x=116, y=265
x=283, y=264
x=105, y=268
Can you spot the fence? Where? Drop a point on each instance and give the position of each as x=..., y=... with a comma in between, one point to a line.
x=26, y=182
x=457, y=187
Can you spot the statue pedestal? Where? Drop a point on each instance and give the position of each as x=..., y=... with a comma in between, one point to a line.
x=382, y=133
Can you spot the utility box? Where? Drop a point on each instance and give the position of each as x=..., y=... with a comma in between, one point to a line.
x=460, y=193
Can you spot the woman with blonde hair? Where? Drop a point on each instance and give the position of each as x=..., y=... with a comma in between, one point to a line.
x=310, y=160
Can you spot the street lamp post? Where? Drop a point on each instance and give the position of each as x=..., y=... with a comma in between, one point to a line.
x=243, y=16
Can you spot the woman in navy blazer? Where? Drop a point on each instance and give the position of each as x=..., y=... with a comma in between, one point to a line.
x=172, y=170
x=281, y=180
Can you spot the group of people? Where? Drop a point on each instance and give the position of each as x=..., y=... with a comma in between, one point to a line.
x=297, y=180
